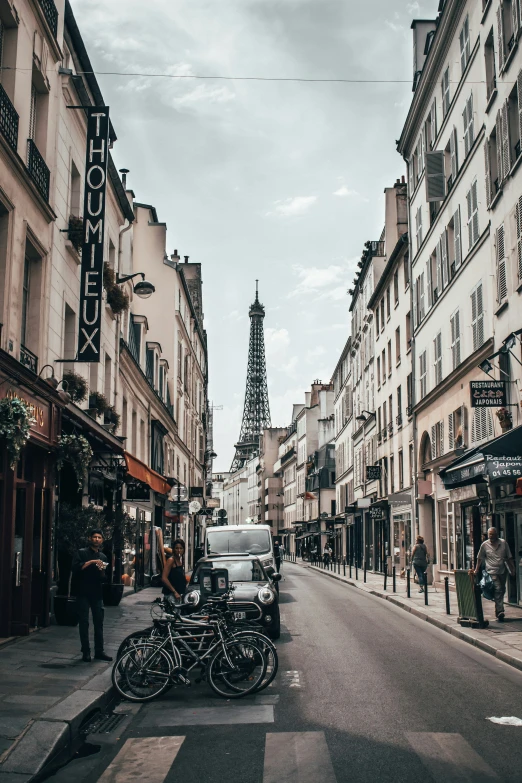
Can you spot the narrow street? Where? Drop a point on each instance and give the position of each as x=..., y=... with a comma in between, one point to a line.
x=365, y=692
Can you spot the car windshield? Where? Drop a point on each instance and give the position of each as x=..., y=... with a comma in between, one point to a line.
x=238, y=570
x=255, y=542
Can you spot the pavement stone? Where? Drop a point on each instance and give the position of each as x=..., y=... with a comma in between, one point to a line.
x=41, y=706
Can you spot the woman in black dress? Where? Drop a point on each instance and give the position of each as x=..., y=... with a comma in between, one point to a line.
x=173, y=576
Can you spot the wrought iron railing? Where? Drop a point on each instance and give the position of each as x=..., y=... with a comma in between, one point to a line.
x=385, y=433
x=38, y=170
x=285, y=457
x=8, y=119
x=399, y=420
x=390, y=429
x=51, y=15
x=409, y=410
x=28, y=359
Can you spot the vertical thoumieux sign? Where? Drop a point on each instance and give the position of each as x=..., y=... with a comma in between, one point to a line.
x=89, y=333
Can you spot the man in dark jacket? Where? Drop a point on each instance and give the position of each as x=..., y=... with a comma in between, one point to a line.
x=89, y=566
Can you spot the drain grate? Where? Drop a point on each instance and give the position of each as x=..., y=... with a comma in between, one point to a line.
x=103, y=723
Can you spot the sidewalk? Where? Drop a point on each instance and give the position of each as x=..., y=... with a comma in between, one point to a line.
x=502, y=640
x=46, y=691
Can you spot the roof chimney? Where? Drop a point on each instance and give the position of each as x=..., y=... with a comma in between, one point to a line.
x=175, y=257
x=124, y=173
x=186, y=259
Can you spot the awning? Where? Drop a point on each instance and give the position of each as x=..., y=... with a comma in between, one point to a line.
x=498, y=460
x=138, y=470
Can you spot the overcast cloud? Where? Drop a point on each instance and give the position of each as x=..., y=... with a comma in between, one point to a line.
x=278, y=180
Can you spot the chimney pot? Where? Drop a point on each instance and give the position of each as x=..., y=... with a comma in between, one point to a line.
x=186, y=259
x=403, y=180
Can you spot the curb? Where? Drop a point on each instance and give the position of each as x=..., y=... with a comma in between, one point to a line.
x=502, y=655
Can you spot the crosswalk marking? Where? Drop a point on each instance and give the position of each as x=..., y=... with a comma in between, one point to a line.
x=290, y=679
x=230, y=714
x=144, y=758
x=297, y=757
x=450, y=757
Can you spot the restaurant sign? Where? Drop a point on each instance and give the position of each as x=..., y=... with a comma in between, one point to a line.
x=488, y=394
x=91, y=285
x=373, y=473
x=509, y=468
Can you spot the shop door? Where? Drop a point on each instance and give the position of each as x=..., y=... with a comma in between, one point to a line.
x=40, y=577
x=22, y=562
x=514, y=539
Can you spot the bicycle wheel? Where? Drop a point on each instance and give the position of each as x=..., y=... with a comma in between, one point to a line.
x=136, y=637
x=143, y=673
x=270, y=651
x=237, y=668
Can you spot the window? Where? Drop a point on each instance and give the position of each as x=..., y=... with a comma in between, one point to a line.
x=477, y=317
x=455, y=339
x=467, y=119
x=419, y=298
x=430, y=127
x=69, y=334
x=501, y=265
x=399, y=406
x=382, y=314
x=408, y=331
x=25, y=298
x=457, y=428
x=388, y=302
x=437, y=440
x=473, y=225
x=406, y=268
x=30, y=306
x=401, y=470
x=107, y=385
x=418, y=227
x=389, y=358
x=518, y=221
x=505, y=31
x=392, y=474
x=378, y=371
x=511, y=138
x=455, y=242
x=451, y=160
x=377, y=329
x=76, y=191
x=445, y=87
x=124, y=413
x=481, y=425
x=493, y=162
x=437, y=352
x=398, y=345
x=383, y=365
x=465, y=45
x=409, y=393
x=489, y=57
x=396, y=287
x=410, y=448
x=423, y=375
x=390, y=410
x=180, y=361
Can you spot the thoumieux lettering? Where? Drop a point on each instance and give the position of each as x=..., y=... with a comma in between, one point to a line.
x=91, y=288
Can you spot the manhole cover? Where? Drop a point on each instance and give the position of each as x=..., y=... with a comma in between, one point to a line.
x=53, y=665
x=103, y=723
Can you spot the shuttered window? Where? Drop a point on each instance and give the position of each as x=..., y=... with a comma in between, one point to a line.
x=498, y=134
x=437, y=352
x=444, y=258
x=32, y=114
x=465, y=45
x=500, y=39
x=518, y=218
x=477, y=317
x=473, y=225
x=435, y=177
x=454, y=155
x=506, y=152
x=469, y=131
x=422, y=306
x=519, y=98
x=455, y=339
x=481, y=425
x=457, y=241
x=487, y=167
x=437, y=440
x=515, y=16
x=501, y=265
x=445, y=86
x=418, y=227
x=423, y=375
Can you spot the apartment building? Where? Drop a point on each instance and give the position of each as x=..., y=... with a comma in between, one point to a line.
x=343, y=431
x=271, y=485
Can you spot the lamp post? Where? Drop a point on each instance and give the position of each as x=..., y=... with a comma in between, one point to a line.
x=143, y=289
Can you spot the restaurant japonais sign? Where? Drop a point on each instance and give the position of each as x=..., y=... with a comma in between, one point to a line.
x=488, y=394
x=91, y=287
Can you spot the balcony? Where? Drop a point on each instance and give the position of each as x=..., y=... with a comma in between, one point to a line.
x=384, y=433
x=409, y=410
x=38, y=170
x=379, y=437
x=8, y=120
x=286, y=457
x=51, y=15
x=390, y=429
x=399, y=420
x=28, y=359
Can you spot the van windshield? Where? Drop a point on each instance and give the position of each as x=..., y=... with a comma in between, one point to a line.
x=255, y=542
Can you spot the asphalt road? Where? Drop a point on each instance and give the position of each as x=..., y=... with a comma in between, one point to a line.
x=365, y=693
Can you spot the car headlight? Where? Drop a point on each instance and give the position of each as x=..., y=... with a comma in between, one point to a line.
x=192, y=598
x=265, y=595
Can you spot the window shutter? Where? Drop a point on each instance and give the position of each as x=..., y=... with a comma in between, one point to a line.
x=422, y=311
x=519, y=90
x=471, y=131
x=438, y=257
x=462, y=41
x=500, y=170
x=477, y=317
x=487, y=167
x=454, y=154
x=457, y=238
x=506, y=156
x=451, y=434
x=465, y=122
x=500, y=39
x=518, y=215
x=464, y=425
x=474, y=206
x=415, y=309
x=435, y=179
x=455, y=339
x=433, y=442
x=469, y=202
x=445, y=92
x=437, y=349
x=32, y=113
x=515, y=17
x=501, y=265
x=441, y=438
x=444, y=258
x=429, y=286
x=433, y=118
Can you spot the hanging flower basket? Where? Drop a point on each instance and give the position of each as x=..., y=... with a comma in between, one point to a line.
x=16, y=420
x=76, y=385
x=76, y=450
x=505, y=418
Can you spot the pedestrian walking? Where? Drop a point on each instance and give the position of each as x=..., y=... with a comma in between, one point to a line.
x=173, y=576
x=495, y=557
x=277, y=556
x=88, y=567
x=326, y=555
x=420, y=560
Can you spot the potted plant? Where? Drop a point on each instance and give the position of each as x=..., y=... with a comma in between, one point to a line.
x=112, y=418
x=76, y=450
x=97, y=404
x=117, y=299
x=505, y=419
x=75, y=232
x=16, y=419
x=75, y=385
x=71, y=533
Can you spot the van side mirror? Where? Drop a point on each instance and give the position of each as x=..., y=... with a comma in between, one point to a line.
x=275, y=577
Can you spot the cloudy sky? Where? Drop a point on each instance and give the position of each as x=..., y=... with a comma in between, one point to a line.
x=281, y=181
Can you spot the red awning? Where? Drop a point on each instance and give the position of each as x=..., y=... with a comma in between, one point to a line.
x=146, y=475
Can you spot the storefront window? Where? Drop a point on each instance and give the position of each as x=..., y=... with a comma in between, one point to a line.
x=442, y=507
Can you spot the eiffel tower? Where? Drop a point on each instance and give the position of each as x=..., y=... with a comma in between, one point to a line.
x=256, y=413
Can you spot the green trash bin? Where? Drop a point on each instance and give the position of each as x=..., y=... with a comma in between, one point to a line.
x=469, y=599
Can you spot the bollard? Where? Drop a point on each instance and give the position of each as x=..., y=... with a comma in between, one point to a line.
x=356, y=570
x=350, y=569
x=446, y=590
x=364, y=569
x=344, y=567
x=394, y=579
x=385, y=578
x=408, y=583
x=339, y=567
x=425, y=588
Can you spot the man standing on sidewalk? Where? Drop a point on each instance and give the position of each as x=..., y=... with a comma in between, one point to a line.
x=89, y=566
x=494, y=554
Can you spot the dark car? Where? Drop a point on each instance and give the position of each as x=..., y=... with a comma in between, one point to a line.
x=255, y=597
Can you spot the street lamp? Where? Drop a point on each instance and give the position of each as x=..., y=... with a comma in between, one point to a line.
x=362, y=417
x=143, y=289
x=54, y=383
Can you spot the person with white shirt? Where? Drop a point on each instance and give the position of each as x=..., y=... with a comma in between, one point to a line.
x=495, y=557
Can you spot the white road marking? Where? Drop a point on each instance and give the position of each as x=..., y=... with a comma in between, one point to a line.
x=143, y=758
x=291, y=679
x=297, y=757
x=511, y=721
x=228, y=715
x=450, y=757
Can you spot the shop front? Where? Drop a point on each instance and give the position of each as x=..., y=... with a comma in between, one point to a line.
x=27, y=501
x=400, y=529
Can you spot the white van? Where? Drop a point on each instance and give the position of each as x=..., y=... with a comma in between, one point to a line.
x=254, y=539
